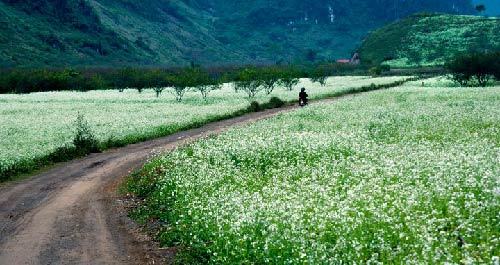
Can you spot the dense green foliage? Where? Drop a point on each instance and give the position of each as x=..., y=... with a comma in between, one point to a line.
x=429, y=40
x=403, y=176
x=479, y=67
x=163, y=32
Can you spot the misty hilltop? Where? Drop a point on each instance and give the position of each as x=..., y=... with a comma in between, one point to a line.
x=163, y=32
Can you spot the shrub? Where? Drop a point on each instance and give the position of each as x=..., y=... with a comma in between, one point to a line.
x=385, y=67
x=85, y=140
x=375, y=71
x=254, y=106
x=275, y=102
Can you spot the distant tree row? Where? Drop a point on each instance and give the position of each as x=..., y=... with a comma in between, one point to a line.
x=478, y=67
x=251, y=80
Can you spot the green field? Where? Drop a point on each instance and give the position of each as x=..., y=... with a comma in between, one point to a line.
x=402, y=176
x=32, y=126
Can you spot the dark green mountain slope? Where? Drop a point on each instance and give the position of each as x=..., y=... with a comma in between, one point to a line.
x=103, y=33
x=429, y=40
x=174, y=32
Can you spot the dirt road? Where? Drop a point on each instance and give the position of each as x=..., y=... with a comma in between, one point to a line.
x=72, y=214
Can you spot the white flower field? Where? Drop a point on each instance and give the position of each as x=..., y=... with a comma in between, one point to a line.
x=402, y=176
x=34, y=125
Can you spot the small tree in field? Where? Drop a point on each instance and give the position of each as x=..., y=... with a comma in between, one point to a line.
x=270, y=79
x=180, y=84
x=320, y=75
x=158, y=91
x=289, y=78
x=204, y=83
x=289, y=82
x=248, y=80
x=180, y=92
x=186, y=79
x=180, y=87
x=158, y=80
x=141, y=81
x=205, y=89
x=319, y=79
x=121, y=79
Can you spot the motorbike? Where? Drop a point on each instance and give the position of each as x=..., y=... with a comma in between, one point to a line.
x=302, y=102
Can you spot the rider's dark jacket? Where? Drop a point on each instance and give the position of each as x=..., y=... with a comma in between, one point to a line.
x=303, y=95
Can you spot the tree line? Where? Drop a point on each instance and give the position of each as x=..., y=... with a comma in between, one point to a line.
x=475, y=68
x=251, y=80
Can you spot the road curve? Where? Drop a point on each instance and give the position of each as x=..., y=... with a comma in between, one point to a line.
x=72, y=214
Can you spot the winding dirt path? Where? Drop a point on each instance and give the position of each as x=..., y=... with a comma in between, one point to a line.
x=72, y=214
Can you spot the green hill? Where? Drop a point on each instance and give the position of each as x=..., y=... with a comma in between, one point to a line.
x=104, y=32
x=430, y=40
x=167, y=32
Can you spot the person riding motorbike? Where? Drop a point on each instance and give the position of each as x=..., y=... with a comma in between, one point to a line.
x=303, y=97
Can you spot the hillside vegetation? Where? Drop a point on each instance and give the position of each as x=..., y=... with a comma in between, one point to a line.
x=430, y=40
x=99, y=33
x=161, y=32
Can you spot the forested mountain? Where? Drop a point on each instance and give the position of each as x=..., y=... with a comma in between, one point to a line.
x=177, y=32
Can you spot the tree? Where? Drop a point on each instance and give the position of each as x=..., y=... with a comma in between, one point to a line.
x=129, y=78
x=205, y=89
x=270, y=78
x=205, y=83
x=179, y=90
x=480, y=8
x=248, y=80
x=158, y=90
x=480, y=66
x=319, y=75
x=181, y=82
x=158, y=80
x=289, y=78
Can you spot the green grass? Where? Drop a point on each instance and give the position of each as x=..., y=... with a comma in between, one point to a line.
x=401, y=176
x=430, y=40
x=37, y=129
